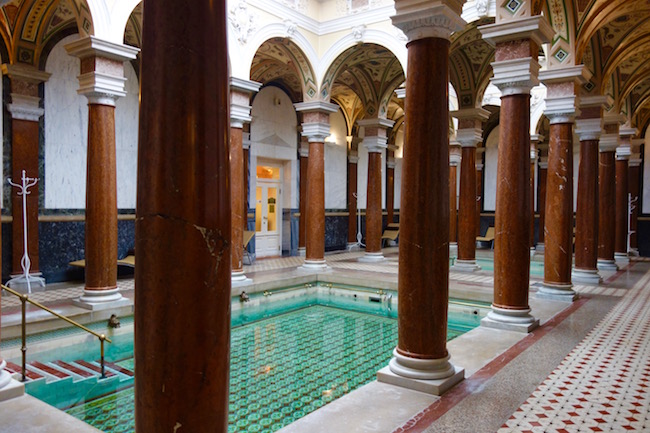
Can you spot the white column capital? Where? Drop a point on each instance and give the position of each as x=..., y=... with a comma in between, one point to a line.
x=589, y=129
x=353, y=157
x=535, y=28
x=627, y=131
x=240, y=94
x=608, y=142
x=454, y=153
x=515, y=77
x=469, y=137
x=434, y=19
x=623, y=152
x=400, y=92
x=390, y=162
x=536, y=138
x=303, y=151
x=102, y=68
x=593, y=101
x=246, y=142
x=376, y=123
x=375, y=144
x=26, y=73
x=25, y=107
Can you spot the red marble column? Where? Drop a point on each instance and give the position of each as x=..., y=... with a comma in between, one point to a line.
x=622, y=204
x=100, y=81
x=607, y=200
x=515, y=51
x=302, y=221
x=183, y=224
x=479, y=189
x=423, y=275
x=315, y=127
x=454, y=162
x=25, y=113
x=541, y=199
x=558, y=254
x=390, y=184
x=588, y=129
x=353, y=159
x=240, y=94
x=375, y=139
x=468, y=135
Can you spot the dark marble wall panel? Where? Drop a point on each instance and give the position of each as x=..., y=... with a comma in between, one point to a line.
x=643, y=237
x=336, y=232
x=295, y=225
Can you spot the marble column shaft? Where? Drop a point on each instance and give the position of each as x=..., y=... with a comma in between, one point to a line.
x=101, y=199
x=479, y=199
x=467, y=209
x=390, y=186
x=237, y=204
x=352, y=200
x=302, y=221
x=512, y=219
x=373, y=204
x=622, y=214
x=423, y=273
x=183, y=223
x=453, y=212
x=586, y=246
x=315, y=207
x=24, y=156
x=541, y=201
x=558, y=227
x=606, y=206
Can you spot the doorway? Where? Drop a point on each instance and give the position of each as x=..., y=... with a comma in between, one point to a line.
x=268, y=211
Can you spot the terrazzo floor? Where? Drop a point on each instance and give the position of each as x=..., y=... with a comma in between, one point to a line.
x=586, y=369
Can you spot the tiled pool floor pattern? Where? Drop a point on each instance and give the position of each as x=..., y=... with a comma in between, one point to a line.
x=281, y=369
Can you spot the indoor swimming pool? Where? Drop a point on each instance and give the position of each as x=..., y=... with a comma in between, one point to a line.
x=292, y=351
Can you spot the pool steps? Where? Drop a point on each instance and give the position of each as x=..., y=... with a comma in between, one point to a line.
x=50, y=381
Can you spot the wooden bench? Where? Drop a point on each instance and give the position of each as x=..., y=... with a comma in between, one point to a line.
x=488, y=237
x=390, y=233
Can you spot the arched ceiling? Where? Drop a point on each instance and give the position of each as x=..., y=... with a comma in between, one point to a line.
x=469, y=64
x=362, y=80
x=280, y=61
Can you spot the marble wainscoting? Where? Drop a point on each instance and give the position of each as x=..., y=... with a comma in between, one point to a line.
x=336, y=229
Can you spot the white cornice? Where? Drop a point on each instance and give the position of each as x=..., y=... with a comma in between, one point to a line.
x=244, y=85
x=379, y=123
x=320, y=106
x=536, y=28
x=93, y=46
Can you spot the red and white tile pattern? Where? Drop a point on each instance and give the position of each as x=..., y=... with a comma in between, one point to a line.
x=604, y=383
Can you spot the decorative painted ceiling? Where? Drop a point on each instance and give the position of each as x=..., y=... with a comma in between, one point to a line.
x=280, y=61
x=362, y=80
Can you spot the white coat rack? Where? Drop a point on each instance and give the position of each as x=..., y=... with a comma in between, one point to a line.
x=358, y=243
x=25, y=279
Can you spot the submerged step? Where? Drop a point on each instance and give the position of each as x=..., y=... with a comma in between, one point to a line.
x=95, y=367
x=29, y=374
x=50, y=370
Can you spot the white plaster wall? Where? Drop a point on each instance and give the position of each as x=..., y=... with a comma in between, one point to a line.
x=399, y=160
x=645, y=194
x=274, y=138
x=66, y=132
x=490, y=171
x=576, y=168
x=126, y=140
x=336, y=155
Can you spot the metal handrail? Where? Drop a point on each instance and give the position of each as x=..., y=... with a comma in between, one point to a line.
x=24, y=299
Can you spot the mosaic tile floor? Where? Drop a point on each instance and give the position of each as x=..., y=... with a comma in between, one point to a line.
x=604, y=383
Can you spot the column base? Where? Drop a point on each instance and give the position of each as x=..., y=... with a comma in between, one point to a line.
x=461, y=265
x=633, y=252
x=556, y=292
x=434, y=387
x=372, y=257
x=314, y=266
x=9, y=387
x=432, y=376
x=238, y=278
x=24, y=284
x=302, y=252
x=97, y=300
x=586, y=276
x=510, y=320
x=354, y=246
x=606, y=265
x=621, y=259
x=453, y=249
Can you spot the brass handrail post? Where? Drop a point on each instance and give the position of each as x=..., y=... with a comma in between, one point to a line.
x=24, y=299
x=23, y=348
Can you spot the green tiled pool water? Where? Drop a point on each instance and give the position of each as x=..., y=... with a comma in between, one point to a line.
x=290, y=364
x=536, y=268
